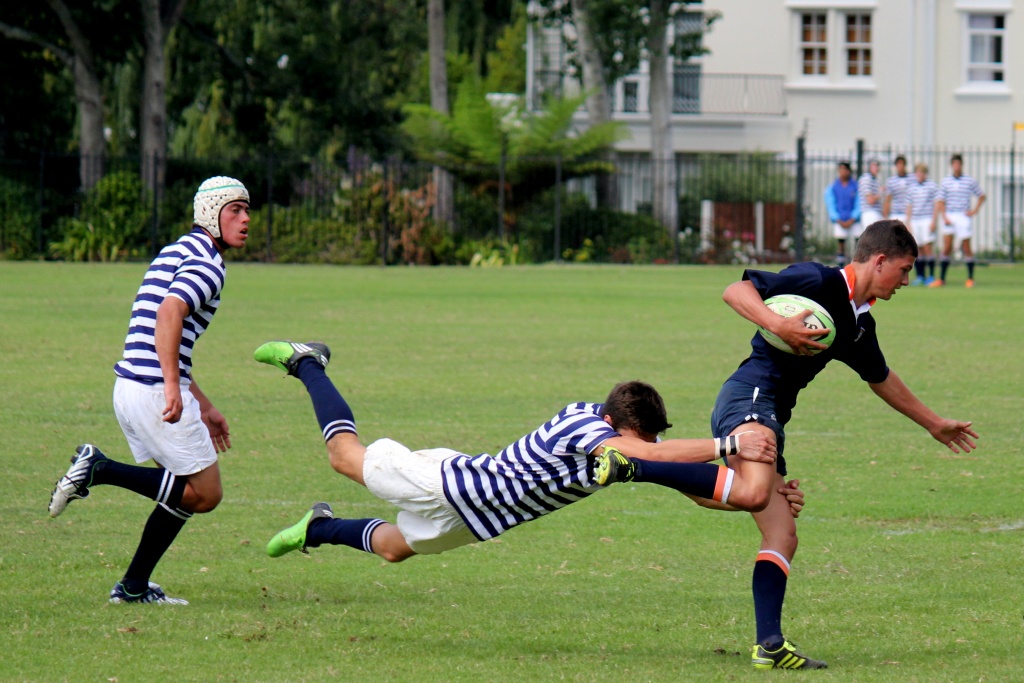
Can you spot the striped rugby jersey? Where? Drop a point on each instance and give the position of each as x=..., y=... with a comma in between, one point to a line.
x=956, y=192
x=190, y=269
x=545, y=470
x=896, y=187
x=868, y=184
x=921, y=198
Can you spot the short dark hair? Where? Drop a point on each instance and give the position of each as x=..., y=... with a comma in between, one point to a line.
x=887, y=237
x=638, y=406
x=844, y=164
x=899, y=159
x=956, y=157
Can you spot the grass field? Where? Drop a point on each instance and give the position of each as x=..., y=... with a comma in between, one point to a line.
x=910, y=560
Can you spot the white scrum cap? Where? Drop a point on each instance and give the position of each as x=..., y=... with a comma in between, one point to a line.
x=212, y=196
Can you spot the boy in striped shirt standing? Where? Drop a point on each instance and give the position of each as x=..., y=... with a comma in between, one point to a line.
x=954, y=208
x=448, y=499
x=896, y=186
x=921, y=196
x=163, y=413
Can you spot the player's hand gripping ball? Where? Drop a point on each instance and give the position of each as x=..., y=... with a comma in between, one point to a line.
x=788, y=305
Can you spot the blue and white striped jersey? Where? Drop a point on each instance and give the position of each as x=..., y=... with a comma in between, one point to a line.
x=896, y=187
x=956, y=192
x=190, y=269
x=545, y=470
x=921, y=198
x=868, y=184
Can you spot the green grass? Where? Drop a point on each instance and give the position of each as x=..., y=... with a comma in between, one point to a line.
x=909, y=566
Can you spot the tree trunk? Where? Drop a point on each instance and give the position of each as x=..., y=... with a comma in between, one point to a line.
x=665, y=202
x=599, y=107
x=92, y=145
x=158, y=20
x=444, y=202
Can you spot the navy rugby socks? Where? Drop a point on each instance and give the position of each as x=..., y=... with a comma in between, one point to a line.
x=355, y=533
x=161, y=529
x=332, y=412
x=152, y=482
x=700, y=479
x=771, y=573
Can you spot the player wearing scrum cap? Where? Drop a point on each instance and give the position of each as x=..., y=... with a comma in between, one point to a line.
x=163, y=413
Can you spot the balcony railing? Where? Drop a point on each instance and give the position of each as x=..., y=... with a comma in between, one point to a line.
x=738, y=94
x=693, y=93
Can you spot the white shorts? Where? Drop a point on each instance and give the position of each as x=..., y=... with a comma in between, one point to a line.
x=870, y=216
x=922, y=229
x=961, y=226
x=412, y=481
x=841, y=233
x=182, y=448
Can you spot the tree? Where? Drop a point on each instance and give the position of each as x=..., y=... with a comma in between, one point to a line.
x=471, y=141
x=159, y=18
x=444, y=205
x=631, y=30
x=81, y=61
x=595, y=83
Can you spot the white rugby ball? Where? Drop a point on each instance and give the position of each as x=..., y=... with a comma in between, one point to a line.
x=788, y=305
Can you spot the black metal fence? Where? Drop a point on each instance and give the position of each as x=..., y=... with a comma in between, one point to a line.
x=732, y=208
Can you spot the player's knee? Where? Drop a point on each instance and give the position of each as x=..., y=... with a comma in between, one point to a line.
x=393, y=556
x=207, y=501
x=751, y=500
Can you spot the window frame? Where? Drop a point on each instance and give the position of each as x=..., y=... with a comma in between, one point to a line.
x=970, y=66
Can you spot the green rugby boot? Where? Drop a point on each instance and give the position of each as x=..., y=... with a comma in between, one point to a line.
x=612, y=466
x=786, y=657
x=294, y=537
x=286, y=355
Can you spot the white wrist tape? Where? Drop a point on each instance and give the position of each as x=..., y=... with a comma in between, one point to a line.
x=729, y=445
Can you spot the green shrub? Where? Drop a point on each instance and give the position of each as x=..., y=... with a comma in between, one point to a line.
x=112, y=224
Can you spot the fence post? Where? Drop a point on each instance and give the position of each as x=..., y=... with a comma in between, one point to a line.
x=801, y=182
x=558, y=208
x=42, y=191
x=860, y=158
x=501, y=189
x=1013, y=193
x=270, y=207
x=387, y=211
x=156, y=208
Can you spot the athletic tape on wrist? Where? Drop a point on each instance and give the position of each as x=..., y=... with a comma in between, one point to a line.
x=730, y=445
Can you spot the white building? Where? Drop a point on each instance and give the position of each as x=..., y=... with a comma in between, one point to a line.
x=893, y=72
x=921, y=77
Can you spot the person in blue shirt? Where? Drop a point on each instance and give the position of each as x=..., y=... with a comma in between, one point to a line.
x=761, y=393
x=843, y=205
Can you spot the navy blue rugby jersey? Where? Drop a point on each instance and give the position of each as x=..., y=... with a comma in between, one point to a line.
x=783, y=374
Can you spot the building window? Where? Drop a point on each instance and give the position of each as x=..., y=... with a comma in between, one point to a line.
x=985, y=36
x=814, y=43
x=858, y=44
x=630, y=96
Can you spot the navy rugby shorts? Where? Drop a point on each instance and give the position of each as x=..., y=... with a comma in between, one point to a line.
x=739, y=403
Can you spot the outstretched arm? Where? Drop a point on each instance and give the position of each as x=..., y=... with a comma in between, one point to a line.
x=754, y=446
x=954, y=434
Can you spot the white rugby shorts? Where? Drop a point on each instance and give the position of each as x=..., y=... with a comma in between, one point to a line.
x=182, y=448
x=922, y=229
x=412, y=482
x=961, y=225
x=841, y=233
x=869, y=216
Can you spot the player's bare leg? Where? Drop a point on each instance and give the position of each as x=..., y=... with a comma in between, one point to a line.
x=347, y=454
x=203, y=492
x=965, y=244
x=757, y=479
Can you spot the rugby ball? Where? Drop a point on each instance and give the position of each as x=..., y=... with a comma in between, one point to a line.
x=788, y=305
